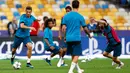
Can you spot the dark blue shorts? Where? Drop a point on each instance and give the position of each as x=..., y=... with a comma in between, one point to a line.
x=115, y=48
x=74, y=48
x=19, y=40
x=55, y=51
x=64, y=45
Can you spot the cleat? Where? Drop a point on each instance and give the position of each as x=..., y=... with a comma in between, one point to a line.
x=12, y=61
x=29, y=65
x=81, y=71
x=48, y=61
x=64, y=64
x=120, y=66
x=113, y=63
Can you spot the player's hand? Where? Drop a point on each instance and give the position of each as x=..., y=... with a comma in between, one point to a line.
x=64, y=28
x=52, y=48
x=90, y=36
x=32, y=28
x=59, y=37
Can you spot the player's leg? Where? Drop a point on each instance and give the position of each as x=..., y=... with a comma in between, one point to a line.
x=107, y=54
x=61, y=57
x=48, y=59
x=16, y=44
x=107, y=51
x=117, y=52
x=76, y=51
x=27, y=41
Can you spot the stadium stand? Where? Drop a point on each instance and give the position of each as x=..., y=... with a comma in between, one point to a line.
x=119, y=18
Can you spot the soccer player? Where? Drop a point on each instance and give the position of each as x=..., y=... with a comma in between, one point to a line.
x=114, y=43
x=23, y=35
x=48, y=42
x=68, y=9
x=71, y=24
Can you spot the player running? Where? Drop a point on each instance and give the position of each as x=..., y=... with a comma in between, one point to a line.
x=23, y=35
x=49, y=45
x=68, y=9
x=114, y=43
x=71, y=26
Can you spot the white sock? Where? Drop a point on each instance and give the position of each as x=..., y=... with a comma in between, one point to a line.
x=28, y=61
x=49, y=58
x=77, y=67
x=62, y=61
x=72, y=67
x=13, y=56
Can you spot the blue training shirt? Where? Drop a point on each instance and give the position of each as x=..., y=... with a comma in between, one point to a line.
x=73, y=21
x=48, y=35
x=28, y=22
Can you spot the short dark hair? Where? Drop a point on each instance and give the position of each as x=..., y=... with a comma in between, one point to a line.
x=68, y=7
x=47, y=21
x=28, y=8
x=45, y=17
x=104, y=20
x=75, y=4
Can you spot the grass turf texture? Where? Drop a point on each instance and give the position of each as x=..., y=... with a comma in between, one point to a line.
x=40, y=66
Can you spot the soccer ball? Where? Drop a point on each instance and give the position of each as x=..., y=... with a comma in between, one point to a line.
x=17, y=65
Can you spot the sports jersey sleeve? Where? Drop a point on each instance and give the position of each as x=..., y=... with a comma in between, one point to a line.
x=33, y=18
x=46, y=33
x=63, y=21
x=82, y=22
x=22, y=19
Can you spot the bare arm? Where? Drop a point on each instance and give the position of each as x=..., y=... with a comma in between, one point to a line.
x=87, y=32
x=26, y=27
x=47, y=42
x=59, y=33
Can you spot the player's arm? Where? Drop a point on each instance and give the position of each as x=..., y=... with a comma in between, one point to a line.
x=87, y=31
x=22, y=25
x=83, y=24
x=60, y=30
x=103, y=22
x=47, y=42
x=63, y=25
x=59, y=36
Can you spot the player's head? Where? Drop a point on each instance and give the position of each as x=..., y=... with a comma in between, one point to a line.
x=92, y=20
x=68, y=9
x=45, y=18
x=102, y=25
x=28, y=11
x=75, y=4
x=49, y=23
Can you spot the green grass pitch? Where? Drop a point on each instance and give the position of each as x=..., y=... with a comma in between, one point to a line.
x=40, y=66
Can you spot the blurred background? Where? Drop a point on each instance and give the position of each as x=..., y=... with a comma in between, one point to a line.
x=116, y=12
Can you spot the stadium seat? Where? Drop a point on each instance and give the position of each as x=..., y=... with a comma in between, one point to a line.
x=3, y=17
x=5, y=21
x=18, y=6
x=111, y=6
x=121, y=10
x=91, y=6
x=97, y=6
x=40, y=6
x=3, y=6
x=46, y=14
x=16, y=14
x=14, y=10
x=105, y=6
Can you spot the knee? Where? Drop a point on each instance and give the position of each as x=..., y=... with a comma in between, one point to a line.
x=30, y=47
x=104, y=54
x=114, y=58
x=64, y=49
x=61, y=50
